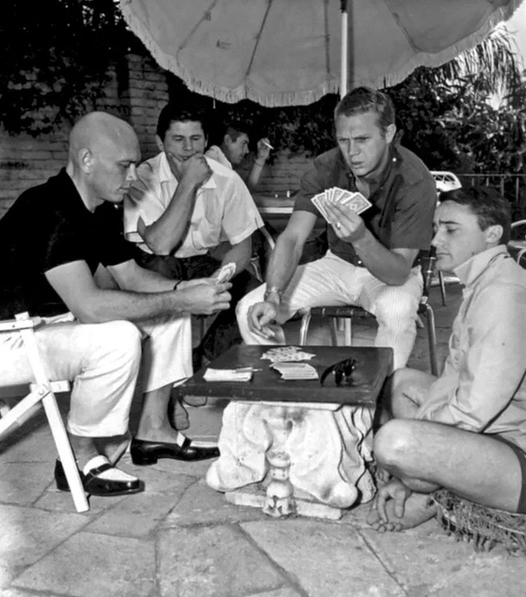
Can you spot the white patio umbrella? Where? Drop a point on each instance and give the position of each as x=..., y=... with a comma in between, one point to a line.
x=292, y=52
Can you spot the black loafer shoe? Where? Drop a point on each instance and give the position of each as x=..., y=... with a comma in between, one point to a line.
x=145, y=452
x=95, y=485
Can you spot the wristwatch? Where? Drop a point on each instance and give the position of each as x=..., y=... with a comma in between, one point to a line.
x=274, y=291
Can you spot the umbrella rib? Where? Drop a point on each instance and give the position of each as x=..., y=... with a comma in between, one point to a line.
x=205, y=17
x=402, y=27
x=258, y=38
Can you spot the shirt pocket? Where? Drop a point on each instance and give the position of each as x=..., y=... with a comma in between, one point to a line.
x=206, y=225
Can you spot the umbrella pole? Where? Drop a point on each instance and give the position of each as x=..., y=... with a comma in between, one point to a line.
x=344, y=48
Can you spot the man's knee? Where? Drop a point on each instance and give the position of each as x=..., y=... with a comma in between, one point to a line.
x=396, y=304
x=244, y=305
x=403, y=380
x=123, y=339
x=409, y=390
x=394, y=443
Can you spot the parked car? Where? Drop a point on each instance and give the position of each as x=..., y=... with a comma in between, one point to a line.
x=445, y=181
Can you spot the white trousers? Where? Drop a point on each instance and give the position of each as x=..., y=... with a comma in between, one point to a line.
x=331, y=281
x=104, y=362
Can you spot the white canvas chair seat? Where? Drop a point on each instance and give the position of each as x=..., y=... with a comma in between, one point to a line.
x=42, y=391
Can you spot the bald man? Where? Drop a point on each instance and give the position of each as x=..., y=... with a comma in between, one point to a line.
x=61, y=243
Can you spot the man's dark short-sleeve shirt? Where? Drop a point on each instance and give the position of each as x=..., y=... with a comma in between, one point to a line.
x=403, y=198
x=49, y=226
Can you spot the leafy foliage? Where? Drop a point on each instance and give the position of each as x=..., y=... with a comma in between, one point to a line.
x=55, y=59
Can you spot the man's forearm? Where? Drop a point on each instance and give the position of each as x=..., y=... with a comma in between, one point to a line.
x=166, y=233
x=111, y=305
x=388, y=267
x=140, y=279
x=239, y=254
x=254, y=175
x=283, y=263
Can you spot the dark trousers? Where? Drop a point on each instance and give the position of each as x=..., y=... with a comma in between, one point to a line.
x=223, y=332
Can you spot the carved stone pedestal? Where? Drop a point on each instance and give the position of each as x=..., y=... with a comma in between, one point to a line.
x=294, y=458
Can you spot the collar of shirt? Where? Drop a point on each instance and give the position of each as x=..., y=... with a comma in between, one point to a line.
x=469, y=271
x=217, y=154
x=166, y=174
x=376, y=184
x=65, y=186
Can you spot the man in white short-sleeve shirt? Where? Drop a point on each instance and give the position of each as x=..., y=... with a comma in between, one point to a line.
x=182, y=208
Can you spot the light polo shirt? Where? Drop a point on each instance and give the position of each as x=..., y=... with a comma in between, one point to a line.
x=223, y=211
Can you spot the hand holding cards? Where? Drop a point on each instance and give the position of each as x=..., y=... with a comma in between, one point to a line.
x=354, y=201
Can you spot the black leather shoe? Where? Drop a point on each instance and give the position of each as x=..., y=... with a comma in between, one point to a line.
x=96, y=485
x=145, y=452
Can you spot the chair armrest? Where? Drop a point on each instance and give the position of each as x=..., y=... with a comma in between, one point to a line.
x=22, y=322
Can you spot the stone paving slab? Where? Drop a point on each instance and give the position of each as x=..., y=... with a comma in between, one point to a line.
x=213, y=561
x=433, y=563
x=33, y=443
x=202, y=505
x=285, y=592
x=61, y=501
x=138, y=515
x=23, y=489
x=92, y=565
x=324, y=558
x=14, y=592
x=28, y=534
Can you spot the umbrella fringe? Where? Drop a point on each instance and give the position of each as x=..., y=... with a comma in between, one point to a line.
x=223, y=94
x=435, y=60
x=296, y=98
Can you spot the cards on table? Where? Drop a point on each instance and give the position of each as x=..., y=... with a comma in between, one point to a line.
x=226, y=273
x=242, y=374
x=354, y=201
x=296, y=370
x=287, y=354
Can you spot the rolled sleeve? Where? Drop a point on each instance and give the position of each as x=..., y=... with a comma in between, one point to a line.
x=241, y=217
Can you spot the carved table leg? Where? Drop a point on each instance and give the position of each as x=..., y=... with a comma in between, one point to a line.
x=307, y=458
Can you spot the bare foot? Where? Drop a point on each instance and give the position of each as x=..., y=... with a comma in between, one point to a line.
x=417, y=510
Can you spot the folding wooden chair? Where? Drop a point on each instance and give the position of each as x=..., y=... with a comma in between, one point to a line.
x=42, y=391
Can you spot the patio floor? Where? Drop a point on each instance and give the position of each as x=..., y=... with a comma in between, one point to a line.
x=181, y=539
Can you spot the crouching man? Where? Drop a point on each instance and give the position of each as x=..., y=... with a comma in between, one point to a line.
x=55, y=242
x=466, y=430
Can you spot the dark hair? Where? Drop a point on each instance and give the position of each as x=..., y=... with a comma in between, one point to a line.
x=235, y=130
x=366, y=99
x=490, y=207
x=175, y=113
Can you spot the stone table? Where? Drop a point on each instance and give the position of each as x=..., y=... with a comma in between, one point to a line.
x=296, y=446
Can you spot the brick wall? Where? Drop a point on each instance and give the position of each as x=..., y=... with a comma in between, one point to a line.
x=283, y=175
x=137, y=92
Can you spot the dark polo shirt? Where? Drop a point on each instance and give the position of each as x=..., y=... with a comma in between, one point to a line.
x=403, y=198
x=49, y=226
